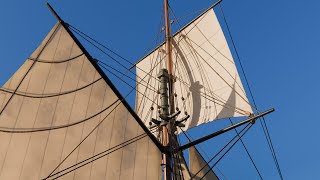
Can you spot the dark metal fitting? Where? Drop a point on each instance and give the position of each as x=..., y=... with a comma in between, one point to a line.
x=183, y=119
x=157, y=122
x=163, y=123
x=174, y=115
x=95, y=60
x=253, y=121
x=163, y=72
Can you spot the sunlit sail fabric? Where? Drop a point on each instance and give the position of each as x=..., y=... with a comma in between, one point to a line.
x=207, y=87
x=62, y=90
x=197, y=163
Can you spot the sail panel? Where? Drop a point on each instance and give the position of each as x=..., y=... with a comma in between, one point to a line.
x=196, y=163
x=207, y=84
x=34, y=155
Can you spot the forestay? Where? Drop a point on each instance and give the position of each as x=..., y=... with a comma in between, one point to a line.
x=207, y=84
x=62, y=90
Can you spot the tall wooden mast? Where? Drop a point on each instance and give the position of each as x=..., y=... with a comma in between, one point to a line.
x=168, y=131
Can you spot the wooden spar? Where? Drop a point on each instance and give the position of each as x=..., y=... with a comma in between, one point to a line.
x=54, y=12
x=181, y=29
x=167, y=131
x=108, y=81
x=251, y=119
x=169, y=57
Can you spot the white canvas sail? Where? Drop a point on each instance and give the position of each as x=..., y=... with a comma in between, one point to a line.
x=59, y=88
x=198, y=166
x=207, y=84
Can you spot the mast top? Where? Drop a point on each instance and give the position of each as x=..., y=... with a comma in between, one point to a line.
x=54, y=12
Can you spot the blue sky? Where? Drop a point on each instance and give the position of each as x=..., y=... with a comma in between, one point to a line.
x=277, y=43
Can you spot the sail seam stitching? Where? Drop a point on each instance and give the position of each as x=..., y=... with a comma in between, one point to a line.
x=69, y=118
x=29, y=70
x=83, y=124
x=25, y=75
x=99, y=155
x=97, y=136
x=34, y=95
x=55, y=62
x=40, y=102
x=53, y=120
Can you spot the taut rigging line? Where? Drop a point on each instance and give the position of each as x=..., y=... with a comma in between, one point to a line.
x=263, y=123
x=250, y=125
x=98, y=156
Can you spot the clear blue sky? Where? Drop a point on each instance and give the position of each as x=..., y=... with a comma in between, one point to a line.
x=278, y=42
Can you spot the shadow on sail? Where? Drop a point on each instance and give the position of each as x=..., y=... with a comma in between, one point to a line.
x=66, y=151
x=195, y=87
x=229, y=109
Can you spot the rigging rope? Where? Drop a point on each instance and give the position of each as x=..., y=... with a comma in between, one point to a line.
x=177, y=166
x=250, y=125
x=104, y=64
x=99, y=155
x=83, y=35
x=244, y=99
x=218, y=151
x=213, y=99
x=25, y=75
x=188, y=136
x=190, y=14
x=50, y=175
x=94, y=129
x=249, y=155
x=195, y=25
x=157, y=37
x=143, y=101
x=29, y=130
x=180, y=85
x=205, y=88
x=87, y=136
x=233, y=78
x=88, y=38
x=265, y=129
x=134, y=88
x=33, y=95
x=80, y=32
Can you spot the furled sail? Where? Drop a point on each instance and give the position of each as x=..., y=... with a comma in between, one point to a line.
x=60, y=98
x=198, y=166
x=207, y=84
